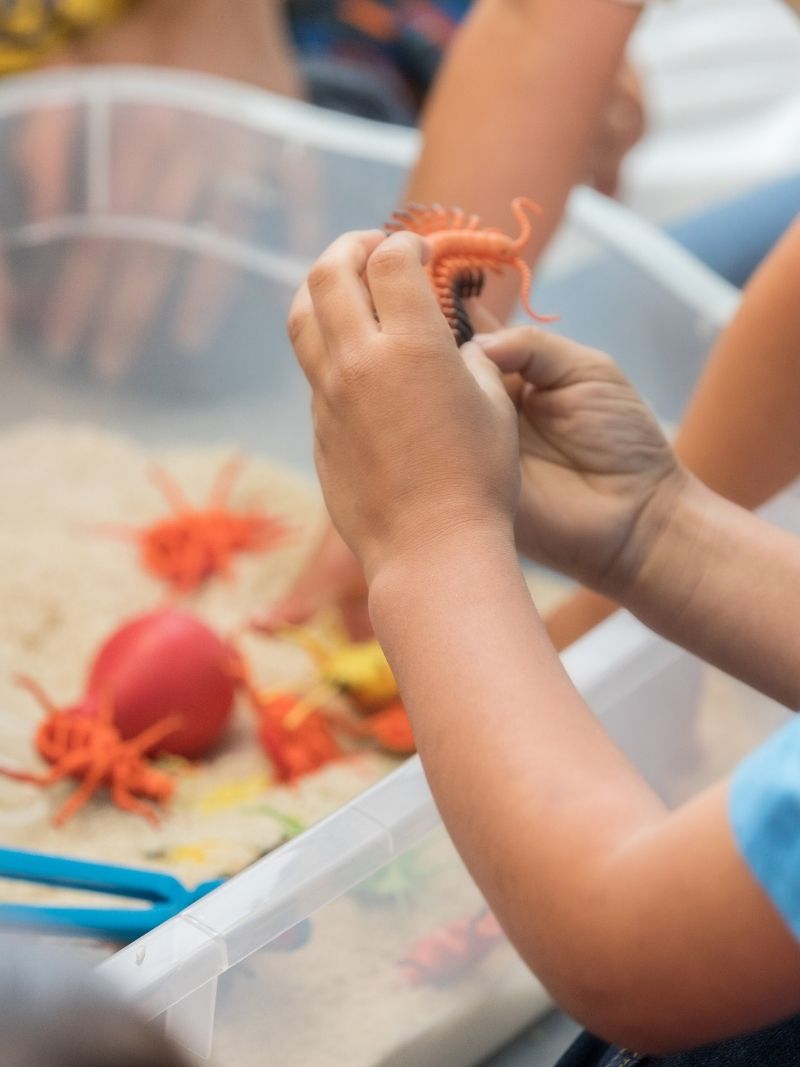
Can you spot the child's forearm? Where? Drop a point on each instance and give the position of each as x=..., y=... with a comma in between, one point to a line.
x=598, y=886
x=533, y=791
x=741, y=433
x=508, y=116
x=724, y=584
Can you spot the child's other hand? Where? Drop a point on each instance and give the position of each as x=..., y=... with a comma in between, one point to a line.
x=331, y=577
x=416, y=441
x=599, y=480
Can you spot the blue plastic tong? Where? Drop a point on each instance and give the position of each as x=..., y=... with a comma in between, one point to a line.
x=167, y=896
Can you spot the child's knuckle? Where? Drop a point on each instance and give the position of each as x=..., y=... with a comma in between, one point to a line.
x=322, y=276
x=297, y=322
x=389, y=258
x=348, y=379
x=603, y=364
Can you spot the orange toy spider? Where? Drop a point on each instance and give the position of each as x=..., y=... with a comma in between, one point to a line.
x=89, y=747
x=193, y=544
x=461, y=251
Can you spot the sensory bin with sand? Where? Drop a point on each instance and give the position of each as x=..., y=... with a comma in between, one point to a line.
x=346, y=930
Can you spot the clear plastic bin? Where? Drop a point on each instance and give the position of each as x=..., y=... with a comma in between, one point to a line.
x=247, y=189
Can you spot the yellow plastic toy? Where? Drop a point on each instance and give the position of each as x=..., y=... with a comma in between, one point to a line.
x=359, y=670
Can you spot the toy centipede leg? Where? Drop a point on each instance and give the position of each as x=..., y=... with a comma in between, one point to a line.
x=525, y=292
x=518, y=206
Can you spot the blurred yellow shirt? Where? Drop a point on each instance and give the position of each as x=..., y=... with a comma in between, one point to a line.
x=32, y=30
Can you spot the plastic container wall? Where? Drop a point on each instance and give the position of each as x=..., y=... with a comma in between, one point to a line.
x=155, y=227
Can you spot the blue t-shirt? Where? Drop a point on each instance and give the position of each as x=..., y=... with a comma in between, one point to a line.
x=765, y=813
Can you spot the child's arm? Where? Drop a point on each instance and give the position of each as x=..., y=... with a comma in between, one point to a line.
x=646, y=925
x=741, y=432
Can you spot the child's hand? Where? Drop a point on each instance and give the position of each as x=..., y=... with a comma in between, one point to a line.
x=416, y=441
x=599, y=479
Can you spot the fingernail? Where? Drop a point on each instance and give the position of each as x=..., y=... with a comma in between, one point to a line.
x=485, y=340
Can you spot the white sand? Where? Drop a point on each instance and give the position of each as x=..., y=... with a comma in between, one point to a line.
x=65, y=587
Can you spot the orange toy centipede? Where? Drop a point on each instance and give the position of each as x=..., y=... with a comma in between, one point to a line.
x=462, y=251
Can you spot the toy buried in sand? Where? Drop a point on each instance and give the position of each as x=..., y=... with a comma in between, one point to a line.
x=357, y=669
x=300, y=732
x=389, y=728
x=462, y=251
x=360, y=672
x=90, y=749
x=296, y=744
x=297, y=739
x=451, y=951
x=194, y=544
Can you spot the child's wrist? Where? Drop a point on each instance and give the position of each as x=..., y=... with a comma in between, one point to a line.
x=402, y=572
x=675, y=543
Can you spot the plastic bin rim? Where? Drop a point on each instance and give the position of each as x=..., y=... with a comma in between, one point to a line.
x=99, y=88
x=244, y=105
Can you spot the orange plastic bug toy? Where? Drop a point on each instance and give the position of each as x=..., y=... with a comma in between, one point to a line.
x=389, y=728
x=193, y=544
x=90, y=749
x=449, y=952
x=295, y=736
x=295, y=748
x=358, y=670
x=461, y=252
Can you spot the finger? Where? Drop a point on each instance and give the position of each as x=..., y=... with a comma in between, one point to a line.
x=485, y=373
x=145, y=271
x=332, y=575
x=206, y=294
x=74, y=302
x=401, y=290
x=482, y=319
x=43, y=149
x=546, y=360
x=306, y=336
x=208, y=290
x=341, y=301
x=7, y=306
